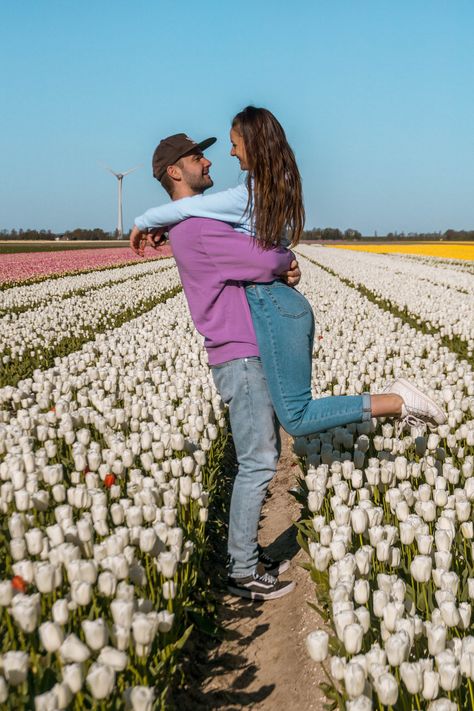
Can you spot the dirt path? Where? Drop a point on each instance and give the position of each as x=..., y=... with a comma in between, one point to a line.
x=262, y=662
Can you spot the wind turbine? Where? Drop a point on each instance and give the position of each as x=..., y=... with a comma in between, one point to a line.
x=120, y=177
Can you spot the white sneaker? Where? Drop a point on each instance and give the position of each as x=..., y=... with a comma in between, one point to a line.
x=417, y=407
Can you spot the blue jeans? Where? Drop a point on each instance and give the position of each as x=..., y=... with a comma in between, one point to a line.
x=242, y=386
x=284, y=325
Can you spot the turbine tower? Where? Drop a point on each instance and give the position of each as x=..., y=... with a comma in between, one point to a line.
x=120, y=177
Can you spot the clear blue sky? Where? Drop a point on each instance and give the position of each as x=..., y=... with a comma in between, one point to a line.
x=376, y=97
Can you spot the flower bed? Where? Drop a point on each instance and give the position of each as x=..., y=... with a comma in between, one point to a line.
x=388, y=515
x=36, y=336
x=109, y=460
x=440, y=298
x=22, y=267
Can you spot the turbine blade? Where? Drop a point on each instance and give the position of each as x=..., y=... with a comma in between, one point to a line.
x=132, y=169
x=106, y=167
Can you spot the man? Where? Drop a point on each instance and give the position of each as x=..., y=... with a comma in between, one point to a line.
x=213, y=260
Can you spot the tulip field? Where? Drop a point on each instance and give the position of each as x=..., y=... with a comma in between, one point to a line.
x=388, y=522
x=112, y=440
x=36, y=266
x=110, y=453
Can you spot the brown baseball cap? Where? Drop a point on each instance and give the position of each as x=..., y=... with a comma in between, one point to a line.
x=171, y=149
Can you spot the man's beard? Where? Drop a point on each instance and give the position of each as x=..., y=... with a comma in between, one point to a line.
x=197, y=183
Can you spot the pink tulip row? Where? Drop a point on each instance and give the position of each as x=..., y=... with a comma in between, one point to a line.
x=20, y=267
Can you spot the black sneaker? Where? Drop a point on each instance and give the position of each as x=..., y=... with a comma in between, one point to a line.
x=259, y=587
x=270, y=565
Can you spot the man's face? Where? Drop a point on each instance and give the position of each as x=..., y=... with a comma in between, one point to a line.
x=194, y=169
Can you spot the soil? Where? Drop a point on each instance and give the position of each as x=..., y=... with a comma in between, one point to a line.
x=261, y=661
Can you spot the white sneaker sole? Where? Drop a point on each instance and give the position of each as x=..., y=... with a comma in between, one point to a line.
x=254, y=595
x=439, y=417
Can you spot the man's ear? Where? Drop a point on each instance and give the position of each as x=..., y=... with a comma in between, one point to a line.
x=174, y=172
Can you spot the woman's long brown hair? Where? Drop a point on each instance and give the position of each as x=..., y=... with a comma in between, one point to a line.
x=276, y=193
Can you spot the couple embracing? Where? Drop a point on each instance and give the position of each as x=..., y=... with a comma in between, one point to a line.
x=239, y=278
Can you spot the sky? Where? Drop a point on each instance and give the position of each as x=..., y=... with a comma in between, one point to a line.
x=376, y=98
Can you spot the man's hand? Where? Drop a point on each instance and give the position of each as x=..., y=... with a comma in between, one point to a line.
x=293, y=275
x=139, y=240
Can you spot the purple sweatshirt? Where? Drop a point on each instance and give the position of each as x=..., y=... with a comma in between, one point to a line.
x=213, y=260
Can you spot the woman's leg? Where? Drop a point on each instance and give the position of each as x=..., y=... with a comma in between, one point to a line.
x=284, y=326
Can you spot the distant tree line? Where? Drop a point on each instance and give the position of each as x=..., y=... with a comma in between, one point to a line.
x=333, y=233
x=317, y=233
x=72, y=235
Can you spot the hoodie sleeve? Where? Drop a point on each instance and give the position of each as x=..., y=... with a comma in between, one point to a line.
x=228, y=206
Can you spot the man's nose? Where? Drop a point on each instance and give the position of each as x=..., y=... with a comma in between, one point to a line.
x=207, y=162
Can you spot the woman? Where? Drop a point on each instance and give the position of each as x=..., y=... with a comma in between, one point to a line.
x=270, y=207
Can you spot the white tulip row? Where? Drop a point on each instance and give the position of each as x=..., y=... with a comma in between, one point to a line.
x=27, y=297
x=103, y=486
x=47, y=325
x=456, y=265
x=442, y=298
x=390, y=531
x=358, y=345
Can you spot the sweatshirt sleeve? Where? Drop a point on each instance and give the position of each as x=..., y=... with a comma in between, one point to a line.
x=238, y=258
x=228, y=205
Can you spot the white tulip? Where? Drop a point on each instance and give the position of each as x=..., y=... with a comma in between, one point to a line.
x=15, y=667
x=60, y=612
x=359, y=520
x=363, y=618
x=6, y=593
x=51, y=635
x=122, y=612
x=317, y=645
x=95, y=632
x=464, y=611
x=165, y=621
x=420, y=568
x=361, y=591
x=148, y=539
x=120, y=637
x=167, y=564
x=113, y=658
x=436, y=635
x=352, y=638
x=397, y=648
x=379, y=602
x=100, y=680
x=34, y=541
x=81, y=592
x=139, y=698
x=430, y=685
x=450, y=613
x=73, y=650
x=443, y=704
x=386, y=687
x=25, y=612
x=412, y=676
x=16, y=526
x=354, y=679
x=47, y=577
x=449, y=676
x=392, y=612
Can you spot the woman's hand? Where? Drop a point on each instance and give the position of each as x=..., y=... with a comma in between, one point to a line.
x=139, y=240
x=293, y=275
